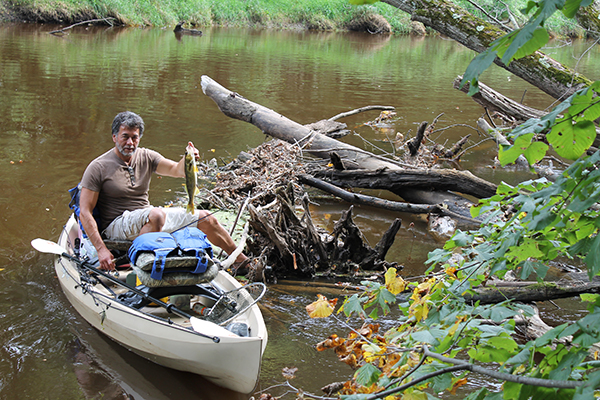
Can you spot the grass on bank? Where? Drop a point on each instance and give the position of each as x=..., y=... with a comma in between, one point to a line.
x=279, y=14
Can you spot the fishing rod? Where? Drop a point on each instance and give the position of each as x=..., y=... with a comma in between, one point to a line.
x=46, y=246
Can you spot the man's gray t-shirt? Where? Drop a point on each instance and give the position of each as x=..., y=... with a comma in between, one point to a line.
x=110, y=176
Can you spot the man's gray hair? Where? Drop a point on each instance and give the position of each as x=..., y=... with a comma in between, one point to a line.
x=128, y=119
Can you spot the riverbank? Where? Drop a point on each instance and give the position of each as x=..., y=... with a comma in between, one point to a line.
x=322, y=15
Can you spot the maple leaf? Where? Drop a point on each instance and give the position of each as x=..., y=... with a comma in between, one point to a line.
x=394, y=283
x=321, y=308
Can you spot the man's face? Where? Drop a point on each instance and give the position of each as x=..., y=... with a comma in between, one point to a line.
x=127, y=140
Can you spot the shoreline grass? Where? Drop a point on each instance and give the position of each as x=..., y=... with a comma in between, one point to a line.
x=321, y=15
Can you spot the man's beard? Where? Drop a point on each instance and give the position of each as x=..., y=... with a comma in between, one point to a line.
x=126, y=153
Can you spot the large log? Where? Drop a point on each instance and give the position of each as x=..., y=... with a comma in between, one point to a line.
x=394, y=180
x=491, y=100
x=276, y=125
x=527, y=292
x=550, y=76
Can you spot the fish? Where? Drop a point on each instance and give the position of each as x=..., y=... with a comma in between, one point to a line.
x=191, y=177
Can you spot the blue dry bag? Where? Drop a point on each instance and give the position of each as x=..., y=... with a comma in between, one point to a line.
x=189, y=242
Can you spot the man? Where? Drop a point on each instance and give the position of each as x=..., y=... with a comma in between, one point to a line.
x=118, y=182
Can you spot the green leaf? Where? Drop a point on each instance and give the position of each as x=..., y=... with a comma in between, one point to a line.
x=478, y=395
x=535, y=152
x=361, y=2
x=536, y=267
x=593, y=258
x=496, y=349
x=521, y=43
x=499, y=313
x=424, y=337
x=571, y=140
x=367, y=375
x=587, y=390
x=526, y=249
x=475, y=68
x=572, y=6
x=509, y=154
x=351, y=305
x=593, y=111
x=566, y=365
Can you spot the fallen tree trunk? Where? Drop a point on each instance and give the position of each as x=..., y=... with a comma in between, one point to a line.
x=235, y=106
x=491, y=100
x=550, y=76
x=394, y=181
x=494, y=101
x=527, y=292
x=355, y=198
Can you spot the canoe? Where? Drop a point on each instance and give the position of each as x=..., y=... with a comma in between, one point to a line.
x=183, y=341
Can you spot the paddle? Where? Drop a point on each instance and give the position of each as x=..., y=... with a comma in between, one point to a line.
x=46, y=246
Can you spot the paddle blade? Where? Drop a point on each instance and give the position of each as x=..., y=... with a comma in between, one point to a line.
x=209, y=329
x=46, y=246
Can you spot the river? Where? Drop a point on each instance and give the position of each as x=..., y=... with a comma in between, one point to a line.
x=58, y=96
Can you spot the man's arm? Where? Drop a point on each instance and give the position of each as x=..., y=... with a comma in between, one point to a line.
x=171, y=168
x=87, y=202
x=175, y=169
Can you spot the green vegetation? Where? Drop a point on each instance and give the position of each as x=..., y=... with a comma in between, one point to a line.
x=440, y=338
x=279, y=14
x=304, y=14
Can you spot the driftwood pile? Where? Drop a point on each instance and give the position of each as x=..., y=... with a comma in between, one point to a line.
x=283, y=238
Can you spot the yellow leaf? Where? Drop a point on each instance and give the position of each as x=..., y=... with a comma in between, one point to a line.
x=451, y=271
x=289, y=373
x=421, y=311
x=458, y=383
x=321, y=308
x=394, y=283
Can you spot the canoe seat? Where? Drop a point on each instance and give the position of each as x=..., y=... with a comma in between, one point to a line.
x=176, y=277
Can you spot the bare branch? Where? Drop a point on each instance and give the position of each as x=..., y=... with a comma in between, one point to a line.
x=58, y=31
x=359, y=110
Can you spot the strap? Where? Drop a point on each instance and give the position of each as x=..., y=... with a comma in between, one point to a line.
x=159, y=263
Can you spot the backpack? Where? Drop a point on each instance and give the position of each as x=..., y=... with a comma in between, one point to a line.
x=74, y=205
x=188, y=244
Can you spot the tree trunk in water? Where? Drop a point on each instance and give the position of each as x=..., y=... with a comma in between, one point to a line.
x=527, y=292
x=271, y=123
x=447, y=179
x=447, y=18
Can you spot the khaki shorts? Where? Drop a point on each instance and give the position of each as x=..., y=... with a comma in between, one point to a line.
x=127, y=226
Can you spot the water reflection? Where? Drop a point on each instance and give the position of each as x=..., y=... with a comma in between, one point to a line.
x=58, y=96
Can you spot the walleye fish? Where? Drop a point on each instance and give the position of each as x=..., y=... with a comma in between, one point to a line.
x=191, y=177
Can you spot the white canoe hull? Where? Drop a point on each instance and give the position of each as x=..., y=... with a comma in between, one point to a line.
x=233, y=363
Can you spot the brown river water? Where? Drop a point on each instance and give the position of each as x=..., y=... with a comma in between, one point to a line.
x=58, y=96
